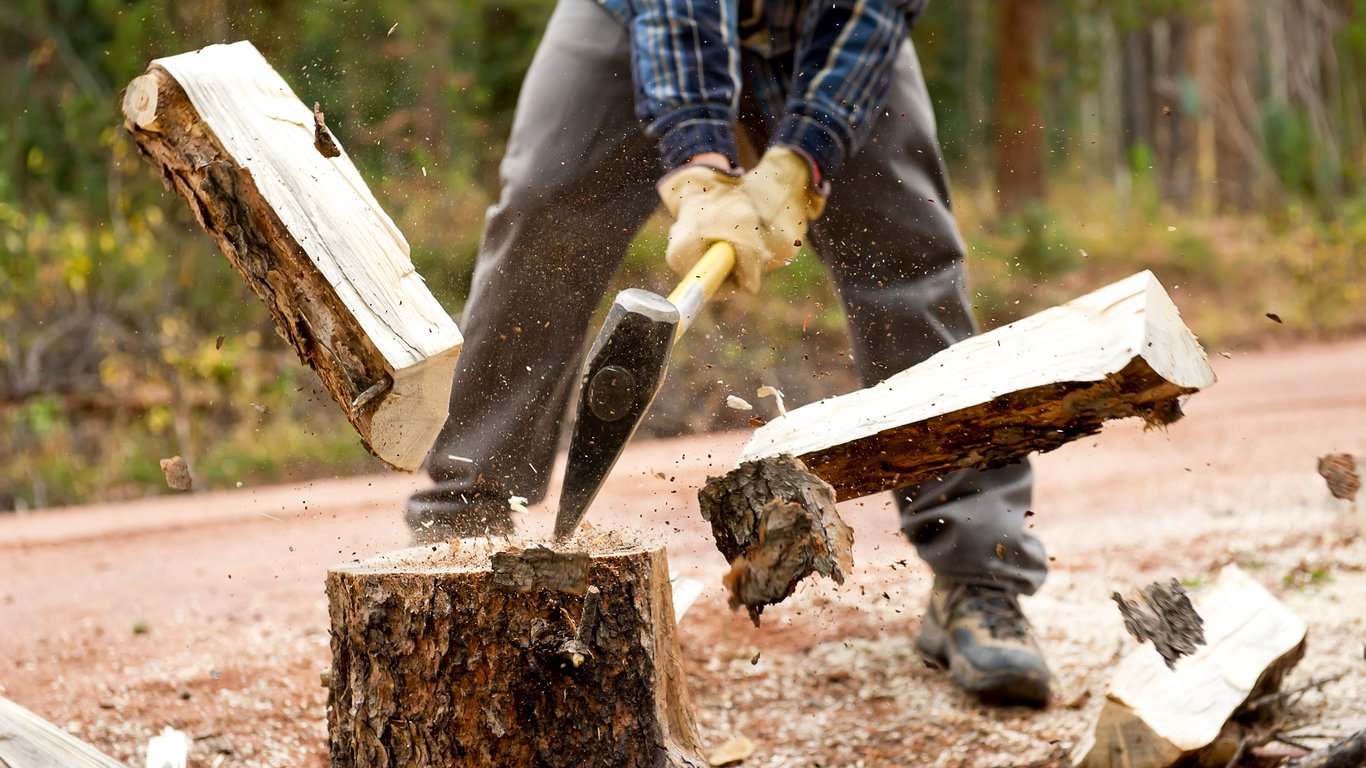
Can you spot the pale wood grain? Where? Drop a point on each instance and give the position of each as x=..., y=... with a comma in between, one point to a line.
x=29, y=741
x=1028, y=386
x=304, y=230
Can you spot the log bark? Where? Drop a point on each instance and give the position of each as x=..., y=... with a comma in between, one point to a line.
x=991, y=400
x=1155, y=716
x=1162, y=613
x=776, y=524
x=266, y=178
x=437, y=663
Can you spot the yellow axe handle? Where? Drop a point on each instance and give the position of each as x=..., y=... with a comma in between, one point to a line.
x=701, y=283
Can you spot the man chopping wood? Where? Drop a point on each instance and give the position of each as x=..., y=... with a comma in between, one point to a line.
x=831, y=97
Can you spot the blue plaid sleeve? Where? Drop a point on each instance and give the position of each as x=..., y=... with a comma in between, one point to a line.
x=843, y=60
x=686, y=66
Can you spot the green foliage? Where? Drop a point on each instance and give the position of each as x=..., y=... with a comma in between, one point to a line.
x=1045, y=250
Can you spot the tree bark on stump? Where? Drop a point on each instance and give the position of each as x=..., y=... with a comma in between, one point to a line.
x=438, y=661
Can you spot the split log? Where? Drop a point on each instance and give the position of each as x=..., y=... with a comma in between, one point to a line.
x=991, y=400
x=776, y=524
x=1154, y=716
x=293, y=216
x=434, y=662
x=985, y=402
x=32, y=742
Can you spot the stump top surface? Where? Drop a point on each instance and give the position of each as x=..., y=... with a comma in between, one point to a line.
x=474, y=555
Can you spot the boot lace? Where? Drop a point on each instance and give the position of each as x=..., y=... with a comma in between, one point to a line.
x=1001, y=613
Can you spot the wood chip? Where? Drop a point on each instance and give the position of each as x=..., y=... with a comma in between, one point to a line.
x=322, y=137
x=776, y=394
x=1162, y=612
x=1341, y=473
x=738, y=403
x=177, y=473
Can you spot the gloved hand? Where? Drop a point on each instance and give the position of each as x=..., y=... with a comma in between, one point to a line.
x=708, y=206
x=781, y=191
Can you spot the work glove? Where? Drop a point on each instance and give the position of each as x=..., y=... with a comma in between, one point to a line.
x=781, y=191
x=708, y=207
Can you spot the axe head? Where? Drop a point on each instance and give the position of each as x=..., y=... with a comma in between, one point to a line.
x=624, y=371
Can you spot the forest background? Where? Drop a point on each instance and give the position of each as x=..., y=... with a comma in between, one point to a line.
x=1220, y=143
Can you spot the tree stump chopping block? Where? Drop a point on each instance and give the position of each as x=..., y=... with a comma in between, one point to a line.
x=438, y=660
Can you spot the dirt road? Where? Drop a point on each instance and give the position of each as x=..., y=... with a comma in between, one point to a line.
x=206, y=611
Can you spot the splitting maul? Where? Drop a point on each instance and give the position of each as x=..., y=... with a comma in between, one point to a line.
x=623, y=373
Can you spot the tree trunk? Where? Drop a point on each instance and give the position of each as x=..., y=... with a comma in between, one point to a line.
x=266, y=178
x=442, y=657
x=1019, y=105
x=1242, y=176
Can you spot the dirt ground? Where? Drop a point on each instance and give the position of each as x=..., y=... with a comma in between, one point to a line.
x=205, y=612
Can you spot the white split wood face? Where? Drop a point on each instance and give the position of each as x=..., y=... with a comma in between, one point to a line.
x=1084, y=340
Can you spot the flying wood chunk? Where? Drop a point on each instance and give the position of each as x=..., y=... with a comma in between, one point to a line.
x=1162, y=613
x=1154, y=716
x=266, y=178
x=435, y=663
x=776, y=524
x=990, y=400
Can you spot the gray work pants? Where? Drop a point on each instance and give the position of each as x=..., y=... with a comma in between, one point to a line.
x=578, y=182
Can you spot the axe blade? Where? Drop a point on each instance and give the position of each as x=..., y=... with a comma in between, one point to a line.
x=622, y=375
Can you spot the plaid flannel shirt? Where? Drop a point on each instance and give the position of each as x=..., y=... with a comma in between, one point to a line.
x=818, y=70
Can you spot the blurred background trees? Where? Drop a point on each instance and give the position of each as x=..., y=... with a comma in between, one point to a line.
x=1219, y=142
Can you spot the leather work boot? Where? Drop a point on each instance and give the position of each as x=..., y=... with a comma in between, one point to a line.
x=451, y=510
x=983, y=637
